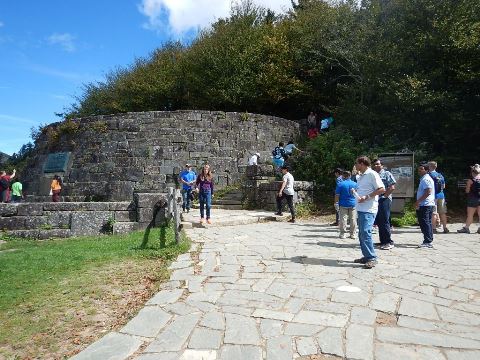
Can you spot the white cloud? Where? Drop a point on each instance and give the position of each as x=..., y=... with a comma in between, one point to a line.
x=180, y=16
x=65, y=40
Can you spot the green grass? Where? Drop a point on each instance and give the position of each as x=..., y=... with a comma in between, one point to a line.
x=46, y=284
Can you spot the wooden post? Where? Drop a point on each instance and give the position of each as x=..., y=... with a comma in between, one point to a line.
x=171, y=199
x=176, y=216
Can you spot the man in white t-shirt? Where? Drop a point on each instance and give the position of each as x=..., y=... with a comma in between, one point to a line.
x=254, y=159
x=425, y=204
x=286, y=192
x=369, y=187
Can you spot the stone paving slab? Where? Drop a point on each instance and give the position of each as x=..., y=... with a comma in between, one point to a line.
x=277, y=290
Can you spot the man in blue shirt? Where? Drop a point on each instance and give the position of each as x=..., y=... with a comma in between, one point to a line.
x=187, y=178
x=424, y=205
x=345, y=204
x=440, y=209
x=384, y=205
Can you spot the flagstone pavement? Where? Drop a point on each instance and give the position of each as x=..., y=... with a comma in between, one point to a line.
x=278, y=290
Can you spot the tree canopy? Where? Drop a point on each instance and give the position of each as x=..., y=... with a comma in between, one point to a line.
x=395, y=73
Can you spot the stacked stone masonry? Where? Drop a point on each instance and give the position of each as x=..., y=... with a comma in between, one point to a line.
x=114, y=156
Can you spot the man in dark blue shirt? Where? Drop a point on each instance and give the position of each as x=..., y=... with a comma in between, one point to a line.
x=187, y=178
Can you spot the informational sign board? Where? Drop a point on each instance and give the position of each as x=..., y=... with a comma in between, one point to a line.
x=402, y=168
x=56, y=162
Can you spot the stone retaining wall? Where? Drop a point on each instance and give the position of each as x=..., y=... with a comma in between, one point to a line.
x=64, y=219
x=114, y=156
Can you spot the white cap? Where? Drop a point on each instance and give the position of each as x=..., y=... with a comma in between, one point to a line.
x=258, y=154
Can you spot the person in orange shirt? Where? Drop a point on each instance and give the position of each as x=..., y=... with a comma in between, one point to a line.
x=56, y=187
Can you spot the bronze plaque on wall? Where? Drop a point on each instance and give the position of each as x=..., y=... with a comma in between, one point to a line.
x=56, y=162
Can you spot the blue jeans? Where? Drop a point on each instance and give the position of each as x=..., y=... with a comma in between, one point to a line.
x=205, y=199
x=424, y=216
x=383, y=220
x=365, y=224
x=186, y=193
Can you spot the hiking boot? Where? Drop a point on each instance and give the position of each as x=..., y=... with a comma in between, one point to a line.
x=370, y=264
x=360, y=261
x=464, y=230
x=387, y=247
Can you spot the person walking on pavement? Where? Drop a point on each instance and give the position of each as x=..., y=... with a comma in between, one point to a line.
x=369, y=187
x=187, y=178
x=424, y=205
x=440, y=209
x=204, y=186
x=286, y=192
x=384, y=205
x=345, y=203
x=473, y=199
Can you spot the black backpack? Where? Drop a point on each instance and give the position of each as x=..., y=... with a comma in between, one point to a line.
x=4, y=184
x=437, y=182
x=475, y=188
x=278, y=152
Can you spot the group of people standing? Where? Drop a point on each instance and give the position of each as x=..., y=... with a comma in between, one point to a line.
x=201, y=184
x=366, y=198
x=318, y=124
x=10, y=187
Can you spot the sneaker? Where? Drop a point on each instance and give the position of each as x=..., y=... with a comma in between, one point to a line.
x=352, y=237
x=464, y=230
x=209, y=221
x=425, y=246
x=387, y=247
x=342, y=236
x=291, y=221
x=478, y=231
x=360, y=261
x=370, y=264
x=202, y=220
x=446, y=231
x=279, y=214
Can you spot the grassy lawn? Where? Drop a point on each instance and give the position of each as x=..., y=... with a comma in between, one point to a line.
x=57, y=296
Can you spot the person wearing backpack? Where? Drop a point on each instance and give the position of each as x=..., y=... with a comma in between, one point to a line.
x=278, y=155
x=5, y=185
x=473, y=199
x=440, y=208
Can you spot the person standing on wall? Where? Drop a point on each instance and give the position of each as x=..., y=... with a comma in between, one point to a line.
x=286, y=192
x=369, y=187
x=56, y=188
x=204, y=185
x=5, y=185
x=187, y=178
x=424, y=205
x=384, y=205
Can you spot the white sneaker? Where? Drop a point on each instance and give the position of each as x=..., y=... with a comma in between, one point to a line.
x=343, y=236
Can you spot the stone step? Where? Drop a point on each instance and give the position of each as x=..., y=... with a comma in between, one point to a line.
x=224, y=217
x=224, y=201
x=40, y=234
x=218, y=206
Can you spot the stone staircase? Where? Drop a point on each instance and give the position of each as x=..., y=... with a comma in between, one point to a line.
x=232, y=200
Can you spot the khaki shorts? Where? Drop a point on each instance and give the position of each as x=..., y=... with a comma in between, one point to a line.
x=440, y=206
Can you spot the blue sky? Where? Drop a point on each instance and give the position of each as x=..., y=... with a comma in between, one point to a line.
x=48, y=49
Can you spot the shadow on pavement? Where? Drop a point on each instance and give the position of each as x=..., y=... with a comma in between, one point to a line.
x=323, y=262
